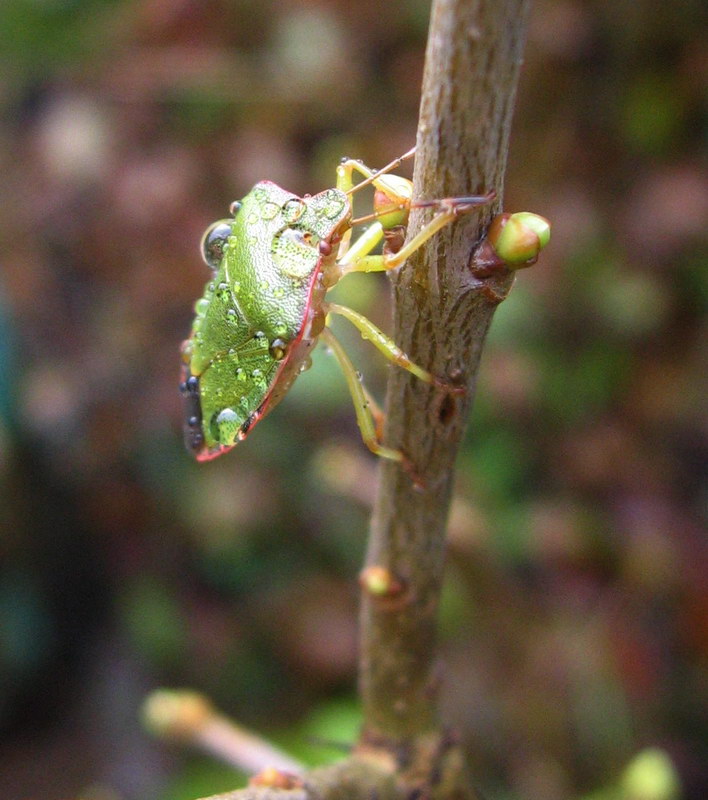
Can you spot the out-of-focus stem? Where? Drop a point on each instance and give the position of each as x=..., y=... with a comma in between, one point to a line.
x=189, y=717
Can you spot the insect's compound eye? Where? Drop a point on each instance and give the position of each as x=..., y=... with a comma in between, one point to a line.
x=214, y=242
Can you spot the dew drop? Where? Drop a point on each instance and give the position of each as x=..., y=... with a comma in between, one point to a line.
x=278, y=349
x=269, y=210
x=225, y=426
x=293, y=209
x=214, y=242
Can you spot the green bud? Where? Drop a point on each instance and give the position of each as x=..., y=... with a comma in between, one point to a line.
x=392, y=197
x=175, y=714
x=518, y=238
x=380, y=582
x=650, y=776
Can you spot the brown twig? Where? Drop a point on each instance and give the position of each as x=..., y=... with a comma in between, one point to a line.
x=442, y=314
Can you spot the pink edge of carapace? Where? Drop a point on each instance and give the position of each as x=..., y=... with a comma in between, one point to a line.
x=209, y=454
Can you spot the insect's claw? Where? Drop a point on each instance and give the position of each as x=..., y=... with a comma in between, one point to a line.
x=449, y=388
x=419, y=482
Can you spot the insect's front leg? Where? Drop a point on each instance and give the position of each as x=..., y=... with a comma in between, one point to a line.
x=394, y=191
x=358, y=257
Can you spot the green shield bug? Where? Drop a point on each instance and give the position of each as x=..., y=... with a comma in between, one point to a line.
x=264, y=307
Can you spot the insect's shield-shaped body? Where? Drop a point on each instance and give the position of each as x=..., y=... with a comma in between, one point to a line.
x=264, y=306
x=261, y=311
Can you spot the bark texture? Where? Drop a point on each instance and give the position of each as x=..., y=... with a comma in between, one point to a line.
x=442, y=314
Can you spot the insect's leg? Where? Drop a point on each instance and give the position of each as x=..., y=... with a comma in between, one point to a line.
x=395, y=188
x=349, y=165
x=364, y=416
x=381, y=342
x=450, y=208
x=376, y=412
x=352, y=258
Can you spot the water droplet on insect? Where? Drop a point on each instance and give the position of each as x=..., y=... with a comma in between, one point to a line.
x=232, y=316
x=235, y=207
x=306, y=364
x=214, y=241
x=335, y=204
x=264, y=286
x=241, y=374
x=211, y=286
x=278, y=349
x=269, y=210
x=224, y=426
x=293, y=209
x=201, y=306
x=280, y=328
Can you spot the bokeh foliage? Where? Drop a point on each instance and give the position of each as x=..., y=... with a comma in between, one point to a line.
x=574, y=621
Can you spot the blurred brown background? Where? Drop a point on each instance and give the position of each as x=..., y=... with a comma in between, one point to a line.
x=575, y=620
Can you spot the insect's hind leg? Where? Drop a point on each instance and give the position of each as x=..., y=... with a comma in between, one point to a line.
x=364, y=416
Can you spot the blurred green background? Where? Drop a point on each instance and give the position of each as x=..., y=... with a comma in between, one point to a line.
x=575, y=618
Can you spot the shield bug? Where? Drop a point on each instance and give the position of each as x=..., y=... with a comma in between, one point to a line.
x=264, y=307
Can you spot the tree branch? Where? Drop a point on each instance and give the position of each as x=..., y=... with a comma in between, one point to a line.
x=442, y=314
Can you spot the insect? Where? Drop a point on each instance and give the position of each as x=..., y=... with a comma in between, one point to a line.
x=264, y=307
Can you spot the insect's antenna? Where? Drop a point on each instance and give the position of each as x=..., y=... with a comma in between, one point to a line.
x=392, y=165
x=380, y=212
x=458, y=205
